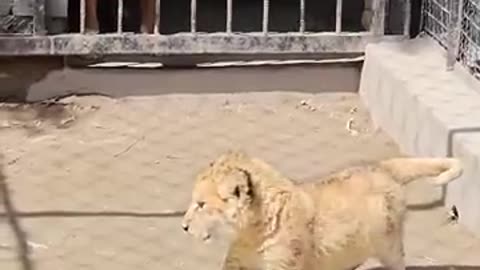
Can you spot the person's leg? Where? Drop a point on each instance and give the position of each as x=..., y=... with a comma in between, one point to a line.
x=91, y=20
x=148, y=16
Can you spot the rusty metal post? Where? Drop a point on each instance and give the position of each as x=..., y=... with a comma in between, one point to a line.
x=266, y=8
x=157, y=17
x=39, y=17
x=338, y=16
x=378, y=19
x=229, y=16
x=82, y=16
x=193, y=16
x=302, y=16
x=120, y=16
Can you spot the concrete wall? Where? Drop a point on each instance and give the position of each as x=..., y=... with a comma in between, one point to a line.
x=34, y=79
x=428, y=111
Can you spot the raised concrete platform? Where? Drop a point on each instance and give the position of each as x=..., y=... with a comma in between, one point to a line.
x=35, y=79
x=428, y=111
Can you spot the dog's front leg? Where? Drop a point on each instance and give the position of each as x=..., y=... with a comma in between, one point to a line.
x=291, y=256
x=241, y=256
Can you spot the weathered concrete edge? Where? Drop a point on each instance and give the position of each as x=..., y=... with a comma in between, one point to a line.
x=188, y=43
x=445, y=122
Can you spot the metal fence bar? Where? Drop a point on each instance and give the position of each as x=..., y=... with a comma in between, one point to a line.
x=458, y=26
x=229, y=16
x=193, y=16
x=451, y=36
x=378, y=19
x=39, y=16
x=302, y=16
x=423, y=8
x=407, y=17
x=338, y=23
x=82, y=15
x=120, y=16
x=157, y=17
x=266, y=8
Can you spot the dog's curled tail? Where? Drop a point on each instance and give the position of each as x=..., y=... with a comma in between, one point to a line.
x=439, y=170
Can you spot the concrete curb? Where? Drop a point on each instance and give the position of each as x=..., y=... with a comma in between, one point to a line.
x=428, y=111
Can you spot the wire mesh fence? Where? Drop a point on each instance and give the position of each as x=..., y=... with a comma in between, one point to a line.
x=436, y=19
x=456, y=26
x=99, y=183
x=469, y=43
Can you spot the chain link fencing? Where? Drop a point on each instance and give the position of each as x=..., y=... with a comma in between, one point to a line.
x=436, y=20
x=469, y=44
x=455, y=25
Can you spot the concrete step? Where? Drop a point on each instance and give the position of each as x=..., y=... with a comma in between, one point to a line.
x=428, y=111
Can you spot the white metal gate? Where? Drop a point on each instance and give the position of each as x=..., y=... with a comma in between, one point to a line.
x=195, y=42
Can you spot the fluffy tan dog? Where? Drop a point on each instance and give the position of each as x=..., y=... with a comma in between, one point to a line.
x=334, y=224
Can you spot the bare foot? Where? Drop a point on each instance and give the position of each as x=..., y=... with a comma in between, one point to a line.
x=91, y=30
x=146, y=29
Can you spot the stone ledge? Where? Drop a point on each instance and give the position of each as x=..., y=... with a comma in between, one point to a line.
x=428, y=111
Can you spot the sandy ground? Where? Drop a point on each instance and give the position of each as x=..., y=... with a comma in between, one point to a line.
x=93, y=179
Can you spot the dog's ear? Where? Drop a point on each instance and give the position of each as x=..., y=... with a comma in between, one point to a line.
x=236, y=192
x=244, y=188
x=237, y=184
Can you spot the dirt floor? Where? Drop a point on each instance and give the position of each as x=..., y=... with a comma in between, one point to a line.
x=96, y=182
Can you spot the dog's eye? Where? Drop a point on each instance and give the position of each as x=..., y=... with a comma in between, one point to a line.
x=236, y=192
x=201, y=204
